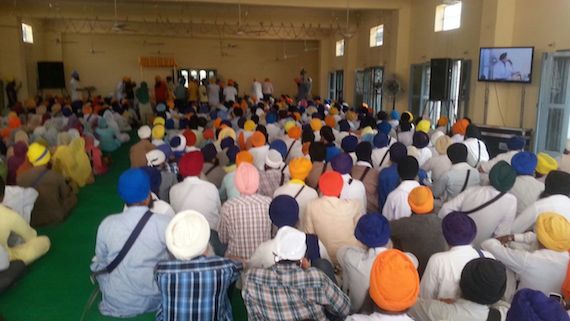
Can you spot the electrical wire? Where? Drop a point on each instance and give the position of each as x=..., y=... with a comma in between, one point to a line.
x=499, y=105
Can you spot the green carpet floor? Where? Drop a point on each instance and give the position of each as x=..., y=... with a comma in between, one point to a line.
x=57, y=287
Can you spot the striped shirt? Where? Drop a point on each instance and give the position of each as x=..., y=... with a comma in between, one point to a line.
x=287, y=292
x=244, y=224
x=197, y=289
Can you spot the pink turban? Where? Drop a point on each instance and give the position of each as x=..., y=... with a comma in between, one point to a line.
x=246, y=179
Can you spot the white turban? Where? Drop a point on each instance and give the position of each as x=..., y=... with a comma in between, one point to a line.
x=187, y=235
x=290, y=244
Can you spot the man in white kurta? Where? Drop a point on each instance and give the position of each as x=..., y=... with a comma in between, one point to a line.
x=543, y=269
x=443, y=272
x=499, y=207
x=397, y=205
x=554, y=199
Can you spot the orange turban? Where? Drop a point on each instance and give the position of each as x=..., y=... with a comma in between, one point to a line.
x=421, y=200
x=330, y=121
x=330, y=184
x=14, y=122
x=300, y=168
x=217, y=122
x=316, y=124
x=244, y=156
x=394, y=281
x=460, y=127
x=294, y=132
x=87, y=109
x=297, y=116
x=257, y=139
x=442, y=121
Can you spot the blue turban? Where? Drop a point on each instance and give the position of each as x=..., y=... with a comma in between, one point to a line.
x=384, y=127
x=279, y=146
x=395, y=115
x=342, y=163
x=271, y=118
x=524, y=163
x=232, y=153
x=373, y=230
x=209, y=152
x=458, y=229
x=516, y=143
x=175, y=142
x=420, y=140
x=380, y=140
x=284, y=211
x=343, y=125
x=532, y=305
x=165, y=148
x=332, y=152
x=348, y=144
x=66, y=111
x=169, y=124
x=134, y=186
x=227, y=142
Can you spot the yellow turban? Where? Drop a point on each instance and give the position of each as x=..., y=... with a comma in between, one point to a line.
x=226, y=132
x=545, y=164
x=553, y=231
x=366, y=131
x=316, y=124
x=421, y=200
x=158, y=121
x=249, y=126
x=423, y=126
x=394, y=281
x=351, y=116
x=288, y=125
x=333, y=111
x=38, y=154
x=300, y=168
x=158, y=132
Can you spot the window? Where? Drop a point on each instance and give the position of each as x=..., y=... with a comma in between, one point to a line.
x=27, y=34
x=340, y=48
x=377, y=36
x=448, y=16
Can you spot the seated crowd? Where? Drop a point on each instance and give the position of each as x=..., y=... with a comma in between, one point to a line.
x=312, y=209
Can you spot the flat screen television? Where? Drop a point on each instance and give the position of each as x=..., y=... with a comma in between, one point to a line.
x=506, y=64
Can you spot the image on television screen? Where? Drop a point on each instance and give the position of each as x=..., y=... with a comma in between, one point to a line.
x=506, y=64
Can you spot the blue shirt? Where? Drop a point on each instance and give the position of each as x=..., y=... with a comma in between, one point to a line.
x=389, y=179
x=130, y=289
x=197, y=289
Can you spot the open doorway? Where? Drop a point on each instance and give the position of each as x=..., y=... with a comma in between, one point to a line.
x=368, y=87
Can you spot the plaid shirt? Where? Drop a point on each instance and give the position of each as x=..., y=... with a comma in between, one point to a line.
x=287, y=292
x=244, y=224
x=196, y=289
x=270, y=180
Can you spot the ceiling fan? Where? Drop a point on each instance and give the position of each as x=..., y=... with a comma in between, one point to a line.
x=119, y=26
x=285, y=56
x=243, y=30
